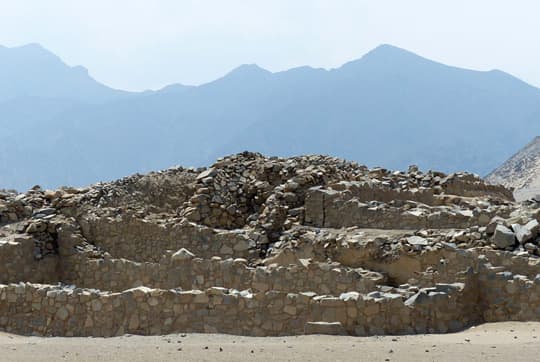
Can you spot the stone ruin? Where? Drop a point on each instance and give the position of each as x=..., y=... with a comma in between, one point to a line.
x=266, y=247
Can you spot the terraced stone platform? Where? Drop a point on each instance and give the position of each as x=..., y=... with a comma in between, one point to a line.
x=268, y=246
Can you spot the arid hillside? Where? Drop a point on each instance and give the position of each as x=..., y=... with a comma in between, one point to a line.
x=521, y=172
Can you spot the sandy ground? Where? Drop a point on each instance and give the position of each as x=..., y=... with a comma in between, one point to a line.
x=490, y=342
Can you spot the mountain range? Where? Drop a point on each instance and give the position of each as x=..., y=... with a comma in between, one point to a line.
x=390, y=107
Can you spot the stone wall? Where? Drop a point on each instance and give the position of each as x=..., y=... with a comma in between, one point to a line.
x=470, y=185
x=143, y=240
x=121, y=274
x=336, y=209
x=17, y=262
x=507, y=296
x=488, y=294
x=515, y=264
x=365, y=191
x=47, y=310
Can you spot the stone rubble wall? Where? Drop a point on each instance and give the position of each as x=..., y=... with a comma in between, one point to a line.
x=507, y=296
x=48, y=310
x=515, y=264
x=240, y=186
x=145, y=241
x=334, y=209
x=156, y=191
x=17, y=262
x=121, y=274
x=491, y=295
x=469, y=185
x=365, y=191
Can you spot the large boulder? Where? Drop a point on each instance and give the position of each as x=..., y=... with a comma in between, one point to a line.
x=533, y=226
x=503, y=237
x=496, y=220
x=417, y=241
x=527, y=232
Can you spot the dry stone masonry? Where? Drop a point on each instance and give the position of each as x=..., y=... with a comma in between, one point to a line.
x=266, y=247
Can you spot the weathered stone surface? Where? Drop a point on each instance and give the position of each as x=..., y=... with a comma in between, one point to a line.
x=503, y=237
x=330, y=328
x=417, y=240
x=522, y=233
x=533, y=227
x=496, y=220
x=207, y=173
x=182, y=255
x=284, y=257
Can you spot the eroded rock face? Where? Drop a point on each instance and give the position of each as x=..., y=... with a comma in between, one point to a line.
x=268, y=246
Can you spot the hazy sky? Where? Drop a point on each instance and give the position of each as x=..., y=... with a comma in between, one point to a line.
x=136, y=44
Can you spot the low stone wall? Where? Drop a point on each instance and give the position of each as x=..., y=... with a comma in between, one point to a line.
x=522, y=265
x=365, y=191
x=390, y=257
x=47, y=310
x=489, y=295
x=140, y=240
x=17, y=262
x=121, y=274
x=335, y=209
x=508, y=296
x=469, y=185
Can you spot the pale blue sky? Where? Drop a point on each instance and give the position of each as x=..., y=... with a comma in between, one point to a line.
x=136, y=44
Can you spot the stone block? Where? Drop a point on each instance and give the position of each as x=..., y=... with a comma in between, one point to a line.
x=503, y=237
x=328, y=328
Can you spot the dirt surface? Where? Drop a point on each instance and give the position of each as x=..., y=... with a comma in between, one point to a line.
x=489, y=342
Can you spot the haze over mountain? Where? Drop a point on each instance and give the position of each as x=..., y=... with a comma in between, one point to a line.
x=390, y=108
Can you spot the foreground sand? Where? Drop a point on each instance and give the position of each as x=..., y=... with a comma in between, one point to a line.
x=507, y=341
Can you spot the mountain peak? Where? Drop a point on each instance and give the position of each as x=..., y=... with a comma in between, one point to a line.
x=385, y=52
x=249, y=69
x=32, y=53
x=32, y=70
x=246, y=72
x=386, y=48
x=388, y=57
x=30, y=48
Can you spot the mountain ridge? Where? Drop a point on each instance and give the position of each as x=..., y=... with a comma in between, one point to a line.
x=32, y=70
x=376, y=110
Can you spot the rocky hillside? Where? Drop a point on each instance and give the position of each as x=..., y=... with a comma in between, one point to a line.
x=268, y=246
x=520, y=172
